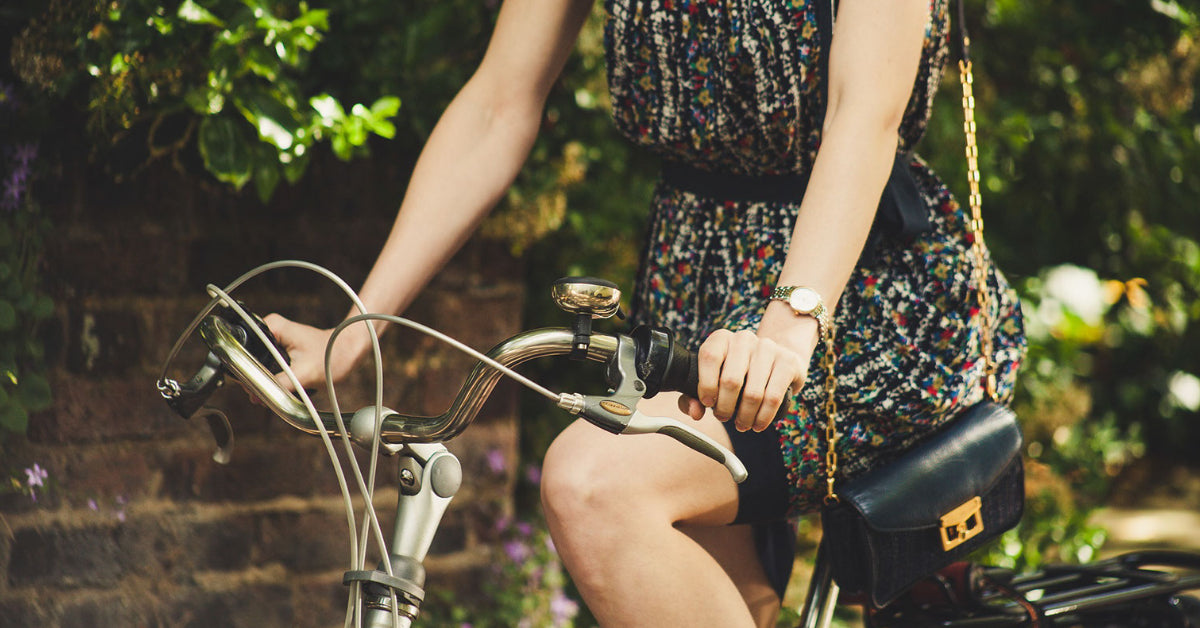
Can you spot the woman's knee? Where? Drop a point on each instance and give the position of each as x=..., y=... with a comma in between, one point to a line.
x=578, y=482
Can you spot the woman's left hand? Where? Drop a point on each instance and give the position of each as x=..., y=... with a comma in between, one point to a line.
x=745, y=376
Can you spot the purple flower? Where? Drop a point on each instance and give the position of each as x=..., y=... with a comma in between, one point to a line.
x=14, y=187
x=524, y=528
x=36, y=475
x=91, y=504
x=25, y=154
x=496, y=461
x=562, y=608
x=517, y=551
x=533, y=474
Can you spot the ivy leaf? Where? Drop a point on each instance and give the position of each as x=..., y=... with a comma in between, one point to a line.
x=14, y=417
x=8, y=316
x=328, y=108
x=294, y=169
x=266, y=175
x=275, y=121
x=35, y=392
x=385, y=107
x=377, y=117
x=189, y=11
x=43, y=307
x=224, y=150
x=316, y=18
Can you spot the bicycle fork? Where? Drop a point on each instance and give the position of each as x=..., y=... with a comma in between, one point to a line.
x=822, y=594
x=429, y=477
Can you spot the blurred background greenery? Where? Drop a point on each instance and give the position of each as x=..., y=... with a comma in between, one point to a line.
x=1090, y=148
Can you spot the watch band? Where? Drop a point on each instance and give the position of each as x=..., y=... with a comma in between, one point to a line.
x=811, y=304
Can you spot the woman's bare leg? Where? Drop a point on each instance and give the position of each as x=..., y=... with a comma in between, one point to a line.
x=733, y=547
x=615, y=504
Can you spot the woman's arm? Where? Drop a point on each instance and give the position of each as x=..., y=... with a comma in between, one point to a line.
x=874, y=57
x=473, y=155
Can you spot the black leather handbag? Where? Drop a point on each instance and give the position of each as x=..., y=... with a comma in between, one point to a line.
x=935, y=504
x=949, y=494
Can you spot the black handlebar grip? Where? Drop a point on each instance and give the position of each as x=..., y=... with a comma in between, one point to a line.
x=663, y=363
x=683, y=371
x=250, y=340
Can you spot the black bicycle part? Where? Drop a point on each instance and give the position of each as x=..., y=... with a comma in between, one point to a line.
x=662, y=363
x=250, y=340
x=1128, y=591
x=195, y=392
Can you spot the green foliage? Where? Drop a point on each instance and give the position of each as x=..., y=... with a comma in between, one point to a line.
x=1090, y=128
x=230, y=76
x=23, y=305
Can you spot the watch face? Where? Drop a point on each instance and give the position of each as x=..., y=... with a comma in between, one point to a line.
x=804, y=300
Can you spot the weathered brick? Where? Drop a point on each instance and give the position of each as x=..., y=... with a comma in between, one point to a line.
x=5, y=552
x=322, y=600
x=113, y=609
x=303, y=541
x=68, y=557
x=104, y=473
x=20, y=610
x=108, y=262
x=226, y=544
x=102, y=340
x=87, y=409
x=129, y=269
x=258, y=470
x=246, y=605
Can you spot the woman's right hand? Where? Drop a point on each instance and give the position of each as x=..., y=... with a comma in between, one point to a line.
x=306, y=346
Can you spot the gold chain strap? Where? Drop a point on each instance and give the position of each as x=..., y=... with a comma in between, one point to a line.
x=976, y=201
x=983, y=298
x=831, y=433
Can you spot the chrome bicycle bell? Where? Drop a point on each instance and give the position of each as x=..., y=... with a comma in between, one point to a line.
x=597, y=298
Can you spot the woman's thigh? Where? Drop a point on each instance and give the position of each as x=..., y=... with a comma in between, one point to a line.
x=647, y=474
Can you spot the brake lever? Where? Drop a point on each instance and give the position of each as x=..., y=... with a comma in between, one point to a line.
x=644, y=424
x=222, y=433
x=617, y=412
x=187, y=400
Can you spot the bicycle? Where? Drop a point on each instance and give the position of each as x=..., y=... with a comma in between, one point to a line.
x=1126, y=590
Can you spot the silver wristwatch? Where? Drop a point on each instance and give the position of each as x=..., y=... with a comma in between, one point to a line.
x=806, y=302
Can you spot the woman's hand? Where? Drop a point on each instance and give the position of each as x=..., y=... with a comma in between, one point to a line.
x=306, y=347
x=745, y=376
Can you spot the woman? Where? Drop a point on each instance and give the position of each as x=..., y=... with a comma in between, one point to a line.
x=737, y=96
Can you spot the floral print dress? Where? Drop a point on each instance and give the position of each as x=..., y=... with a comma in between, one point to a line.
x=734, y=88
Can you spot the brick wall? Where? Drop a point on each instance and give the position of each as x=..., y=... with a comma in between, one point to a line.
x=139, y=527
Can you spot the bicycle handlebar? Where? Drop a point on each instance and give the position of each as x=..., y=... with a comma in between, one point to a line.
x=640, y=365
x=398, y=427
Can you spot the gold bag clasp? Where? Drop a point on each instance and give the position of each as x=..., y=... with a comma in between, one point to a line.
x=962, y=523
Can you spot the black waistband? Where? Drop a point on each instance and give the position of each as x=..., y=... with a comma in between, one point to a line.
x=723, y=186
x=901, y=214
